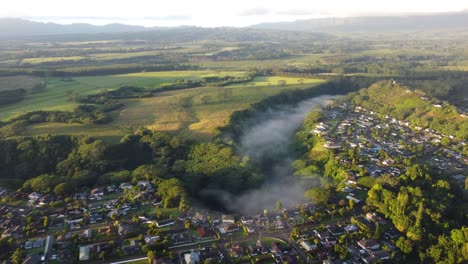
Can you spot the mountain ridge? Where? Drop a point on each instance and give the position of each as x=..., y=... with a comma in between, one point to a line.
x=17, y=27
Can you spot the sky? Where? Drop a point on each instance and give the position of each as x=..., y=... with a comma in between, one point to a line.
x=212, y=13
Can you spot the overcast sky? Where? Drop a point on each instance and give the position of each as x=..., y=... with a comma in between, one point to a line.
x=211, y=13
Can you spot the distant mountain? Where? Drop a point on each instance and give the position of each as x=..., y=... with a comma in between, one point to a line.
x=15, y=27
x=427, y=22
x=21, y=27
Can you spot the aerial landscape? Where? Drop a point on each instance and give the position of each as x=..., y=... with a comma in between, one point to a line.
x=255, y=132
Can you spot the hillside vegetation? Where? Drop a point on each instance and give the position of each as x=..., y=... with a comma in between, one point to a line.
x=413, y=106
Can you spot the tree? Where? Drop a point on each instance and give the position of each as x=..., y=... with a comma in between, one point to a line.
x=279, y=205
x=282, y=82
x=317, y=195
x=151, y=257
x=64, y=188
x=405, y=245
x=377, y=231
x=46, y=222
x=17, y=256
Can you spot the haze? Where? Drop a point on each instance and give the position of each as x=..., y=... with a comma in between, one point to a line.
x=210, y=13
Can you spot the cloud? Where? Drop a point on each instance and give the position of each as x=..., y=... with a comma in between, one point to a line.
x=257, y=11
x=303, y=12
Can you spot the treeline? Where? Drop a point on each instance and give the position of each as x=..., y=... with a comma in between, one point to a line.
x=241, y=119
x=64, y=165
x=12, y=96
x=94, y=70
x=108, y=98
x=83, y=114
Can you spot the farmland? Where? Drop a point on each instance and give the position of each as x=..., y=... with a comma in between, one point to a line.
x=60, y=91
x=193, y=112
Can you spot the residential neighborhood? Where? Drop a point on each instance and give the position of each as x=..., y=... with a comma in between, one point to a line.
x=129, y=220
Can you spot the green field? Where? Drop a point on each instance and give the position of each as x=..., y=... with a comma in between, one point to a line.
x=276, y=80
x=60, y=92
x=194, y=112
x=191, y=112
x=18, y=82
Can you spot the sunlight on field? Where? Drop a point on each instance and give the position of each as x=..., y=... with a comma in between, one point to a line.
x=52, y=59
x=60, y=92
x=193, y=113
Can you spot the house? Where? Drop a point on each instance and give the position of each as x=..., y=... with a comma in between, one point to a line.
x=391, y=233
x=237, y=250
x=349, y=197
x=381, y=254
x=144, y=184
x=231, y=228
x=322, y=234
x=280, y=224
x=228, y=219
x=34, y=196
x=88, y=233
x=75, y=219
x=164, y=223
x=80, y=196
x=275, y=250
x=370, y=259
x=368, y=244
x=250, y=229
x=111, y=188
x=97, y=192
x=307, y=246
x=150, y=240
x=95, y=217
x=351, y=228
x=192, y=258
x=124, y=229
x=335, y=230
x=36, y=243
x=84, y=253
x=126, y=185
x=354, y=251
x=211, y=254
x=247, y=220
x=205, y=232
x=46, y=199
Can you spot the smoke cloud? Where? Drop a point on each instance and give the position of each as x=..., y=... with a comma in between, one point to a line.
x=267, y=144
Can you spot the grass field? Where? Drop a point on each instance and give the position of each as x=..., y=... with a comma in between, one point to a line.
x=18, y=82
x=275, y=80
x=193, y=113
x=59, y=92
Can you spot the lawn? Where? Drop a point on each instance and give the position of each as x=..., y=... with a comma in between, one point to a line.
x=164, y=212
